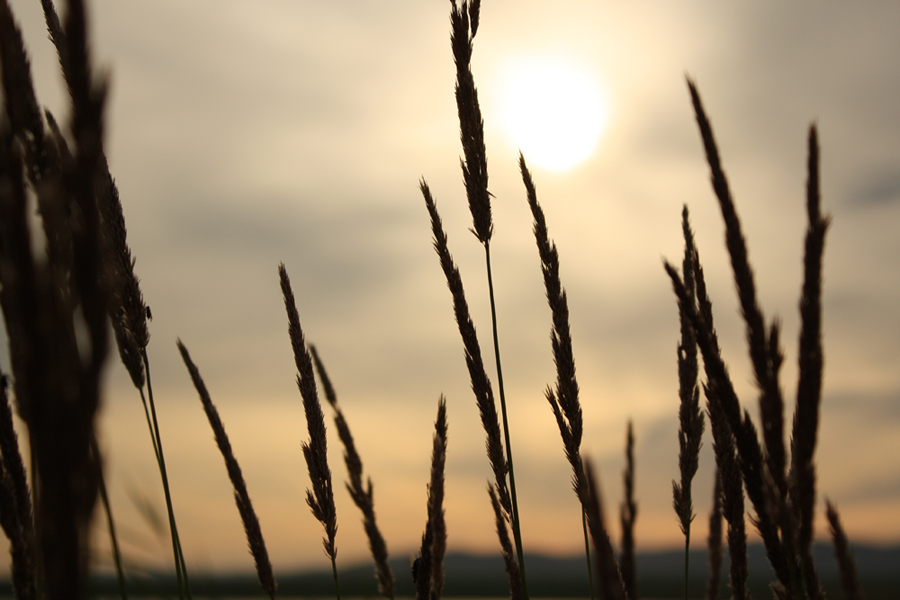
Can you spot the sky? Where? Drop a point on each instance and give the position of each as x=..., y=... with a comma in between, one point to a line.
x=242, y=135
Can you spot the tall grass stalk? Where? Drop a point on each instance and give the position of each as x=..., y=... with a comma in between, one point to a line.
x=728, y=485
x=484, y=395
x=464, y=21
x=321, y=498
x=755, y=459
x=846, y=564
x=732, y=497
x=15, y=504
x=628, y=517
x=802, y=474
x=241, y=497
x=110, y=522
x=783, y=501
x=429, y=572
x=46, y=299
x=363, y=496
x=184, y=588
x=563, y=399
x=517, y=533
x=608, y=573
x=690, y=431
x=587, y=552
x=127, y=311
x=67, y=182
x=714, y=540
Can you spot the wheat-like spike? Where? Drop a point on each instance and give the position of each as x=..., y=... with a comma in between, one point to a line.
x=20, y=281
x=57, y=36
x=12, y=461
x=436, y=501
x=241, y=497
x=771, y=401
x=15, y=503
x=564, y=398
x=509, y=555
x=846, y=564
x=362, y=495
x=463, y=20
x=429, y=576
x=423, y=564
x=732, y=494
x=60, y=431
x=719, y=382
x=21, y=104
x=57, y=384
x=321, y=498
x=128, y=312
x=55, y=207
x=611, y=585
x=481, y=385
x=714, y=540
x=691, y=425
x=809, y=387
x=628, y=518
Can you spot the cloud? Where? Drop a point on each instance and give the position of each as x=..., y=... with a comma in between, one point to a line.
x=875, y=189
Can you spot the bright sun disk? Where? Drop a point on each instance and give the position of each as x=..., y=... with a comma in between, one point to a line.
x=553, y=110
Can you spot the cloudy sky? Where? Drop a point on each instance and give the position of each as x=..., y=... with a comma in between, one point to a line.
x=244, y=134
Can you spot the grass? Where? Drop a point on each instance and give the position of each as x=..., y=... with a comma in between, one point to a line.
x=60, y=304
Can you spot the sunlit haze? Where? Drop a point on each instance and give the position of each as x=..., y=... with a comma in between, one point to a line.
x=244, y=134
x=553, y=110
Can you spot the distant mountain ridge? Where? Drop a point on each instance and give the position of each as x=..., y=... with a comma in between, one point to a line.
x=660, y=575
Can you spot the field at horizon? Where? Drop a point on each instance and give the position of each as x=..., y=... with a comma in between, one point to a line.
x=481, y=576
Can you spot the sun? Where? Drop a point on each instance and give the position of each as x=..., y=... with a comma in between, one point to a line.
x=553, y=109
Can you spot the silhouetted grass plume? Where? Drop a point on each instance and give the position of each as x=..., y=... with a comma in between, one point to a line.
x=464, y=20
x=429, y=567
x=44, y=302
x=245, y=507
x=691, y=425
x=714, y=540
x=321, y=498
x=784, y=502
x=362, y=496
x=481, y=386
x=627, y=519
x=846, y=564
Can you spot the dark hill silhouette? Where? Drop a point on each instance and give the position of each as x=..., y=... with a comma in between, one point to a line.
x=471, y=575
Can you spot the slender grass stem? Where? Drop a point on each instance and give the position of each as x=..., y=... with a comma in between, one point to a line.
x=159, y=465
x=587, y=551
x=337, y=590
x=509, y=458
x=687, y=559
x=150, y=424
x=35, y=548
x=180, y=568
x=104, y=498
x=628, y=518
